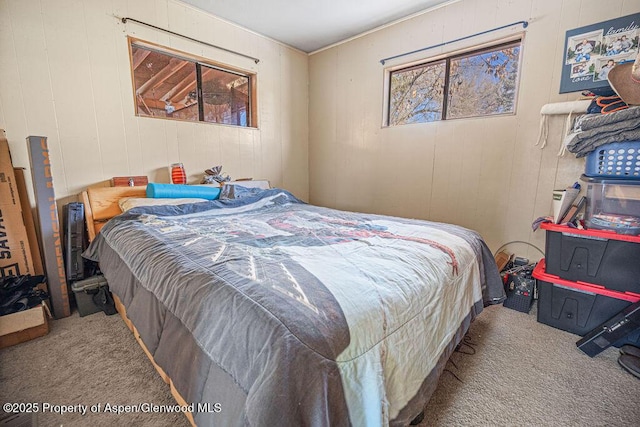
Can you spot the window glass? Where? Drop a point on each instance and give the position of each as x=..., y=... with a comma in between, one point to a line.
x=225, y=97
x=479, y=83
x=165, y=86
x=417, y=94
x=171, y=86
x=483, y=84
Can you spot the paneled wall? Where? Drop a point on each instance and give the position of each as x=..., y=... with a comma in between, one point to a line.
x=65, y=74
x=482, y=173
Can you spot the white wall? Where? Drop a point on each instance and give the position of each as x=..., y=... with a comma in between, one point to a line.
x=65, y=74
x=482, y=173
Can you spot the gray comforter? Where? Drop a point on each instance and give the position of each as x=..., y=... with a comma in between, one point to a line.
x=283, y=313
x=599, y=129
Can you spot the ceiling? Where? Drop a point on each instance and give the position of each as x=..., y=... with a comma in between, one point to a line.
x=310, y=25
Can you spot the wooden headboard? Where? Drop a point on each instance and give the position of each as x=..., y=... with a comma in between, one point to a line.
x=101, y=204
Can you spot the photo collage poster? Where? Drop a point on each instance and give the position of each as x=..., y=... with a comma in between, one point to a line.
x=591, y=52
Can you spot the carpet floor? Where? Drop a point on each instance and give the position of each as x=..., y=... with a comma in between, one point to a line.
x=512, y=371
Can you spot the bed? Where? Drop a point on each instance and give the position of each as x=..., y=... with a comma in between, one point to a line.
x=264, y=310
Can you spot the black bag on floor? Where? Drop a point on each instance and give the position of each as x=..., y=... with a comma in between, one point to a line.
x=104, y=300
x=18, y=293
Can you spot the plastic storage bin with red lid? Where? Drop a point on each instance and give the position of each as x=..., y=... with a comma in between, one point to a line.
x=578, y=307
x=600, y=257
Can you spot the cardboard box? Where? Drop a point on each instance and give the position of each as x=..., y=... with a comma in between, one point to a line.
x=15, y=255
x=29, y=223
x=23, y=326
x=8, y=189
x=15, y=251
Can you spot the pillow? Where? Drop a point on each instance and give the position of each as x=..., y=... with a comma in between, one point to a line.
x=127, y=203
x=237, y=191
x=177, y=191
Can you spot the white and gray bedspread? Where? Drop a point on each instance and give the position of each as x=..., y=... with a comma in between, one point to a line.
x=286, y=313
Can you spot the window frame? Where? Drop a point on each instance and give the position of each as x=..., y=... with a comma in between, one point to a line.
x=199, y=62
x=447, y=58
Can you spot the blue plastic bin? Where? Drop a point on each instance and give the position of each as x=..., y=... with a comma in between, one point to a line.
x=615, y=160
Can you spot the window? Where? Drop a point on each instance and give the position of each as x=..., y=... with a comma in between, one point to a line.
x=478, y=83
x=170, y=84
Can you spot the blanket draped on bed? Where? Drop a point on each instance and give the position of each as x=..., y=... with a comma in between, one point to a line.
x=315, y=316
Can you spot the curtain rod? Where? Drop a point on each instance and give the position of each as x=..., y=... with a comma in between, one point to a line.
x=124, y=21
x=525, y=24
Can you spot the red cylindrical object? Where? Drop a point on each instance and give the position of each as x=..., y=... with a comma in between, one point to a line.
x=178, y=175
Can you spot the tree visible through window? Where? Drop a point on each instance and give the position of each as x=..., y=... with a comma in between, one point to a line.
x=417, y=94
x=171, y=86
x=479, y=83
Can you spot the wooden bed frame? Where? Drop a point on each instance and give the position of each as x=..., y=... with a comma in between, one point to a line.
x=100, y=205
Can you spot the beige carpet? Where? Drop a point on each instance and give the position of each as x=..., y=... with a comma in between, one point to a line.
x=523, y=373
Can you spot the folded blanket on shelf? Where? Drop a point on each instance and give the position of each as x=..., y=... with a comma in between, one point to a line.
x=601, y=129
x=596, y=120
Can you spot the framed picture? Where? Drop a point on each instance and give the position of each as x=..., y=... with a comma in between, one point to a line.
x=591, y=51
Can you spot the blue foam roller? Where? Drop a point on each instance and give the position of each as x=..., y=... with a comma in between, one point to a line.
x=178, y=191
